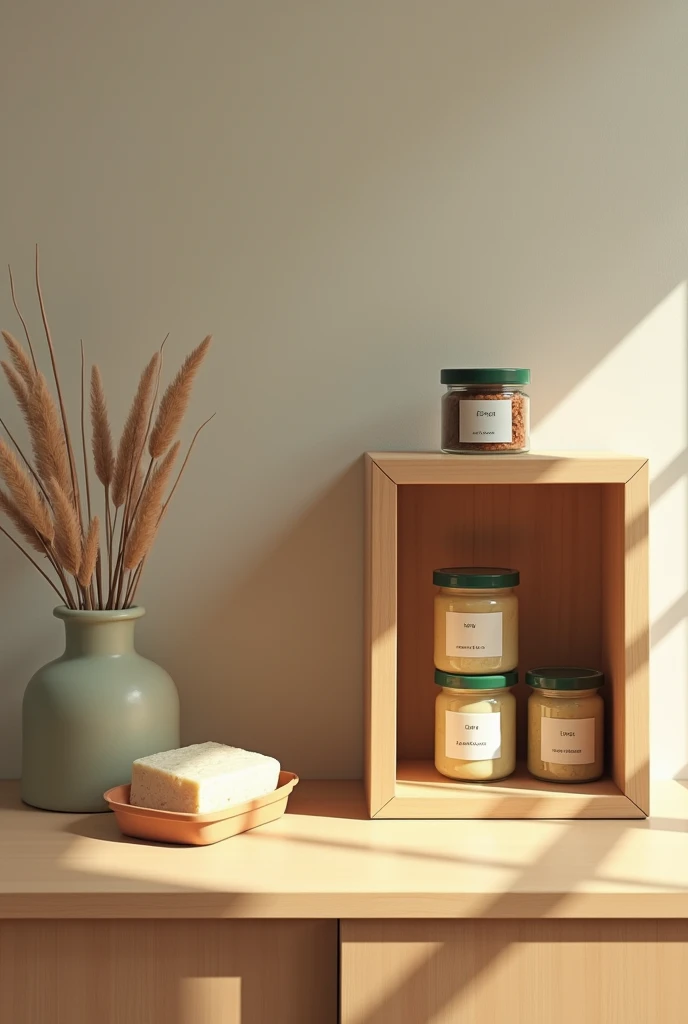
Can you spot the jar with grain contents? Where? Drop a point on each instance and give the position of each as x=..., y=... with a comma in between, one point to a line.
x=565, y=724
x=476, y=620
x=485, y=410
x=475, y=726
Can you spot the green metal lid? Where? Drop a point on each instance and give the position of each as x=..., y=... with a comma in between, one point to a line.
x=564, y=678
x=486, y=375
x=480, y=577
x=497, y=682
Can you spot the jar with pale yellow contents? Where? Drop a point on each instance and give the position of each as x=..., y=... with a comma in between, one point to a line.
x=475, y=726
x=476, y=620
x=565, y=724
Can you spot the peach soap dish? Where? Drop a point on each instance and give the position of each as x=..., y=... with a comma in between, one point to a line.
x=199, y=829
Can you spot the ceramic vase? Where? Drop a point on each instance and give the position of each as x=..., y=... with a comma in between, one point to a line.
x=90, y=713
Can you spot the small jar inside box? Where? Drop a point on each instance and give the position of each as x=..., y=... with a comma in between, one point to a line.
x=476, y=620
x=565, y=724
x=475, y=726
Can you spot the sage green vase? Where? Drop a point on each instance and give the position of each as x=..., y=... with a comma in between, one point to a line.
x=90, y=713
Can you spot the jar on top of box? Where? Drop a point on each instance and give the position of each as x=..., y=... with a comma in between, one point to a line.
x=485, y=410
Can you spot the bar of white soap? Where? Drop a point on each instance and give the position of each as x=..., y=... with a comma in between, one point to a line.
x=201, y=778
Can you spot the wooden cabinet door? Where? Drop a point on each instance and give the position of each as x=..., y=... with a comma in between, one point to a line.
x=168, y=972
x=514, y=972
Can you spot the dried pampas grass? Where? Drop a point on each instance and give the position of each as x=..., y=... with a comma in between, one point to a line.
x=21, y=361
x=145, y=524
x=103, y=454
x=132, y=442
x=47, y=439
x=42, y=499
x=25, y=495
x=21, y=524
x=67, y=531
x=174, y=402
x=89, y=553
x=18, y=386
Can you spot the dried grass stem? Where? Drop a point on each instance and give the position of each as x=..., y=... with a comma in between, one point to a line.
x=40, y=496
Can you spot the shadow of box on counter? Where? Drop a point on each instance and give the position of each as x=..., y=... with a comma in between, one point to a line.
x=575, y=526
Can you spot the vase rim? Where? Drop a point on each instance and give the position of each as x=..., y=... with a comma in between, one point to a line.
x=97, y=615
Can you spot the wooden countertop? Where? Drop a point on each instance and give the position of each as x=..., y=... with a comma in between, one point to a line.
x=325, y=858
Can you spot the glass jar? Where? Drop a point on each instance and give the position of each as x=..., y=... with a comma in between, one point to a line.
x=475, y=726
x=485, y=410
x=565, y=724
x=476, y=620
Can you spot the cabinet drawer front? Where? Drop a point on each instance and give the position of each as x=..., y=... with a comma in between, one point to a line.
x=524, y=972
x=168, y=972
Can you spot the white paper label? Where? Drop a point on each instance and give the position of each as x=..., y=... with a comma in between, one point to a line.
x=473, y=737
x=485, y=422
x=568, y=740
x=474, y=636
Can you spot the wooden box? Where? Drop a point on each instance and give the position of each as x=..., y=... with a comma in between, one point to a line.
x=575, y=525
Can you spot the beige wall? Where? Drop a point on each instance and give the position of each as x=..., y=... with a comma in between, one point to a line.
x=349, y=194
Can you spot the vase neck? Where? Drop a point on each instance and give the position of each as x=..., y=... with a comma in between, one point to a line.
x=106, y=638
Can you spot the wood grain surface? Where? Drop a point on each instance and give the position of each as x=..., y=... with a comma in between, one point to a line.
x=522, y=972
x=326, y=859
x=168, y=972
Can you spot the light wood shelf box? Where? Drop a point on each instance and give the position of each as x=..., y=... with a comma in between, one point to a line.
x=575, y=525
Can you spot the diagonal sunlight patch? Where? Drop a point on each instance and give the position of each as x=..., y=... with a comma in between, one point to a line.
x=637, y=401
x=635, y=397
x=356, y=857
x=668, y=724
x=669, y=558
x=637, y=847
x=322, y=848
x=669, y=631
x=405, y=959
x=210, y=998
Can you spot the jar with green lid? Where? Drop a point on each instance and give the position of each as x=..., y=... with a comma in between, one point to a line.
x=485, y=410
x=565, y=724
x=475, y=726
x=476, y=619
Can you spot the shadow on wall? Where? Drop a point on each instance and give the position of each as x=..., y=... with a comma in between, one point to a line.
x=282, y=644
